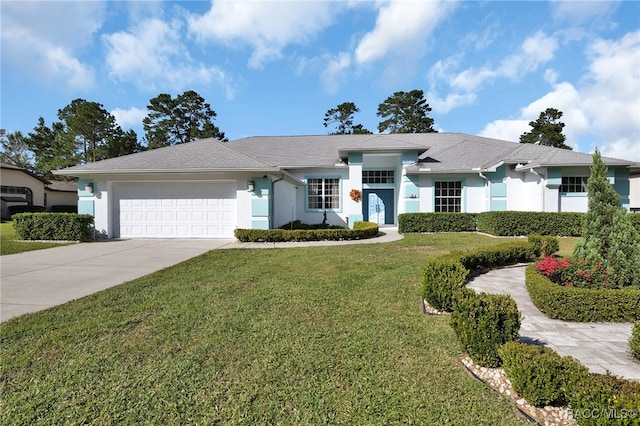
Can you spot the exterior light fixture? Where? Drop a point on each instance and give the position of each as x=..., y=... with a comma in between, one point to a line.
x=89, y=187
x=251, y=186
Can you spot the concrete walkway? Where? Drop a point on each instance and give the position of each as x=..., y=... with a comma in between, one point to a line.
x=599, y=346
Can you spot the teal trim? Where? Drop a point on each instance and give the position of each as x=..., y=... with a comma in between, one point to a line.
x=86, y=207
x=81, y=185
x=499, y=174
x=260, y=224
x=498, y=189
x=353, y=218
x=260, y=207
x=554, y=177
x=411, y=189
x=498, y=205
x=411, y=206
x=355, y=158
x=263, y=186
x=409, y=157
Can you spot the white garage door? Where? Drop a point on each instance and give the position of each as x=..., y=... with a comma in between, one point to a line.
x=175, y=210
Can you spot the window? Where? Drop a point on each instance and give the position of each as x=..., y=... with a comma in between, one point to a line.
x=18, y=190
x=448, y=197
x=574, y=184
x=323, y=193
x=378, y=176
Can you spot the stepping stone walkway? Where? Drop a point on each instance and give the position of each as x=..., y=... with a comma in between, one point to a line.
x=599, y=346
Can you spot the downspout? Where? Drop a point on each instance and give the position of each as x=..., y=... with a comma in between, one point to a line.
x=532, y=170
x=488, y=186
x=273, y=199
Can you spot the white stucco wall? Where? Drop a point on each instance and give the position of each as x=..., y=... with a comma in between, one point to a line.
x=634, y=196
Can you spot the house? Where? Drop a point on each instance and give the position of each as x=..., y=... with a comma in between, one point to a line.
x=207, y=188
x=20, y=187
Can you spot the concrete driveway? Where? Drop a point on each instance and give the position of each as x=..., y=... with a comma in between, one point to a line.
x=39, y=279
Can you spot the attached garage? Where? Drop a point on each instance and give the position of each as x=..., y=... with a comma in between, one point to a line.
x=175, y=209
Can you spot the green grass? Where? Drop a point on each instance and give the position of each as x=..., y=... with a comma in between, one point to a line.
x=9, y=245
x=322, y=335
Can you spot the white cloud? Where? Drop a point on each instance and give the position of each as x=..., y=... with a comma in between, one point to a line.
x=267, y=27
x=579, y=11
x=451, y=102
x=401, y=25
x=128, y=118
x=334, y=72
x=152, y=56
x=535, y=51
x=43, y=39
x=602, y=112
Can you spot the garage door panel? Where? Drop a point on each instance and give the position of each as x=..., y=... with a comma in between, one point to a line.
x=170, y=210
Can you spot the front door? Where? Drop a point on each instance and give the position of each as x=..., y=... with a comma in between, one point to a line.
x=378, y=206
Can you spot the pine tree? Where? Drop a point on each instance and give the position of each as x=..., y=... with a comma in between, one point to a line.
x=609, y=238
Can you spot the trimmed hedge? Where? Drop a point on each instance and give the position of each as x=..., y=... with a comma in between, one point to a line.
x=539, y=374
x=513, y=223
x=25, y=209
x=634, y=341
x=61, y=208
x=361, y=230
x=442, y=276
x=436, y=222
x=53, y=226
x=599, y=399
x=582, y=304
x=545, y=246
x=483, y=322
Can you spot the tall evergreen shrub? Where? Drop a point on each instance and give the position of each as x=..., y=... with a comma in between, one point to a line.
x=609, y=237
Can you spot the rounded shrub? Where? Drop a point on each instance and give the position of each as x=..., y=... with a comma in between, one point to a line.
x=634, y=342
x=441, y=277
x=484, y=322
x=539, y=374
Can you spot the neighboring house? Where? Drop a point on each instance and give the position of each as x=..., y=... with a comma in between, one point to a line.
x=20, y=187
x=206, y=189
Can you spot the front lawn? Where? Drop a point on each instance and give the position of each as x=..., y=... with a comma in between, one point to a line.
x=323, y=335
x=9, y=244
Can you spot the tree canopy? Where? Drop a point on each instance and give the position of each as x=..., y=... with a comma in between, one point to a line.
x=15, y=150
x=546, y=130
x=405, y=112
x=343, y=116
x=182, y=119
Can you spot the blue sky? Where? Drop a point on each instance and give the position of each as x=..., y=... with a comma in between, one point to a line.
x=275, y=68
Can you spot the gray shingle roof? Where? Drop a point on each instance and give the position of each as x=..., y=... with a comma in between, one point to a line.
x=439, y=153
x=204, y=154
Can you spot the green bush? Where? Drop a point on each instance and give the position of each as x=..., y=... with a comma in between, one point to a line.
x=634, y=218
x=539, y=374
x=361, y=230
x=545, y=245
x=64, y=209
x=515, y=223
x=441, y=277
x=53, y=226
x=634, y=341
x=13, y=210
x=499, y=255
x=296, y=224
x=598, y=399
x=436, y=222
x=582, y=304
x=484, y=322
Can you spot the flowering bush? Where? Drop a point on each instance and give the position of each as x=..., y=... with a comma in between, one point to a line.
x=579, y=274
